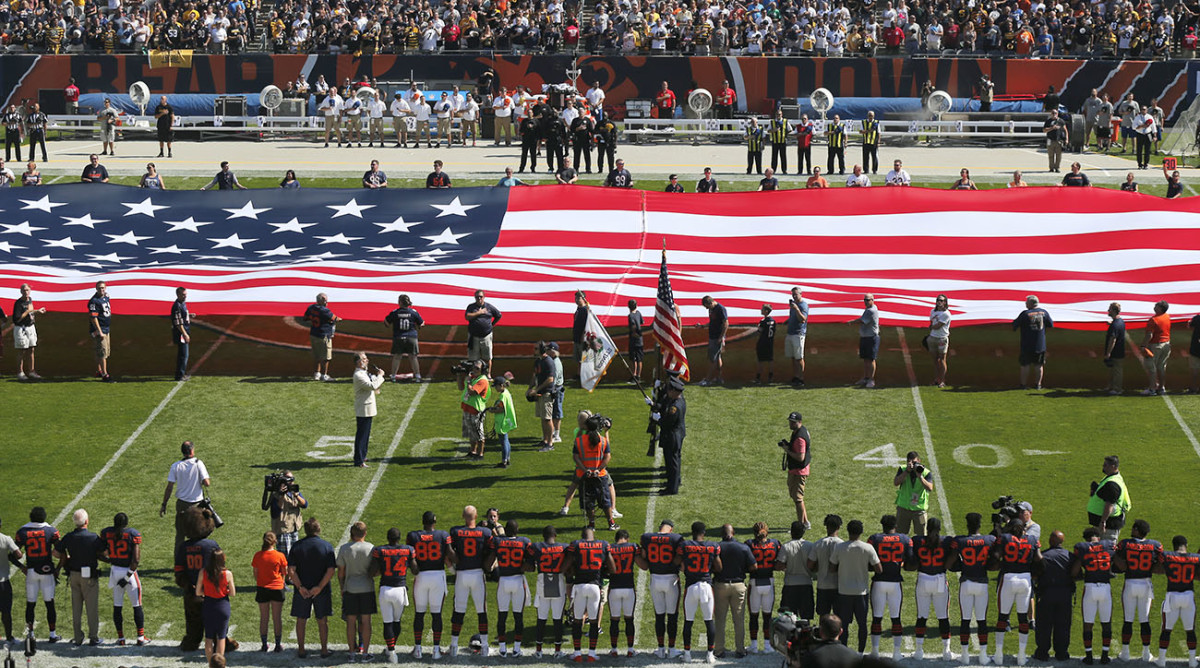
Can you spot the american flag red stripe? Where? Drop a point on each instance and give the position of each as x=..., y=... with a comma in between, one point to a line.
x=1076, y=248
x=667, y=327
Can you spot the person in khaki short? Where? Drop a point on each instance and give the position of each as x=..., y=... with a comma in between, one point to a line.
x=352, y=109
x=375, y=109
x=1156, y=348
x=322, y=322
x=400, y=111
x=332, y=107
x=99, y=318
x=503, y=105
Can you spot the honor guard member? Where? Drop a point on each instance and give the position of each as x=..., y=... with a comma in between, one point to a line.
x=700, y=558
x=658, y=555
x=39, y=540
x=581, y=141
x=121, y=547
x=778, y=130
x=587, y=559
x=391, y=563
x=969, y=555
x=1179, y=605
x=470, y=544
x=887, y=588
x=929, y=556
x=729, y=591
x=1016, y=555
x=549, y=557
x=835, y=134
x=509, y=555
x=606, y=144
x=622, y=596
x=431, y=549
x=1138, y=557
x=1055, y=601
x=761, y=597
x=555, y=134
x=754, y=146
x=1110, y=500
x=870, y=146
x=672, y=430
x=529, y=143
x=1093, y=558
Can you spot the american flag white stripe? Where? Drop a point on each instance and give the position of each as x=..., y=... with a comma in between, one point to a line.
x=667, y=326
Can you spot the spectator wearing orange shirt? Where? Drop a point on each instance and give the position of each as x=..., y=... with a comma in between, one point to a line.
x=270, y=569
x=816, y=180
x=1157, y=349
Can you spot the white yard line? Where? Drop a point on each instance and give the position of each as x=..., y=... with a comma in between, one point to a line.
x=651, y=510
x=70, y=507
x=938, y=488
x=1187, y=431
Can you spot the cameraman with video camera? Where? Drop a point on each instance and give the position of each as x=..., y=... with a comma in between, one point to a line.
x=914, y=483
x=281, y=496
x=827, y=651
x=473, y=381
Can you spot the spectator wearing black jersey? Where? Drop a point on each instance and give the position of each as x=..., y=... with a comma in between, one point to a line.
x=437, y=179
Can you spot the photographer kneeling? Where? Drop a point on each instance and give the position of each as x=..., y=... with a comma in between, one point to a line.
x=827, y=651
x=281, y=496
x=592, y=456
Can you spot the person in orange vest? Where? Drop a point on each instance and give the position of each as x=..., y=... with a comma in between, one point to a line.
x=592, y=456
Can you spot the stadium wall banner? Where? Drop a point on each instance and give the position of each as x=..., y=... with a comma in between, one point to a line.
x=269, y=252
x=758, y=81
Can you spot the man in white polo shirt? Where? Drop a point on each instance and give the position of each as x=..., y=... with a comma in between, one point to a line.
x=400, y=110
x=502, y=104
x=187, y=479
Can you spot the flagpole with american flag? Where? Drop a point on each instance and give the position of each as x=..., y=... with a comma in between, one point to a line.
x=667, y=329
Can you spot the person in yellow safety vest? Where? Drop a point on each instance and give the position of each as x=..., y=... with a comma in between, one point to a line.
x=475, y=387
x=870, y=140
x=506, y=417
x=835, y=134
x=592, y=455
x=778, y=130
x=1110, y=500
x=754, y=147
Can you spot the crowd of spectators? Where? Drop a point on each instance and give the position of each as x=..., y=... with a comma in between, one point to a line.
x=1023, y=28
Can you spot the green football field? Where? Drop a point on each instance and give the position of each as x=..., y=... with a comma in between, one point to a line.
x=251, y=408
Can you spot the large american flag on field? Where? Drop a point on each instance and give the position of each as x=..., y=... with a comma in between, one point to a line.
x=667, y=326
x=268, y=252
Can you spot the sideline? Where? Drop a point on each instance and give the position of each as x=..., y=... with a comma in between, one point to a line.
x=387, y=456
x=939, y=489
x=70, y=507
x=651, y=510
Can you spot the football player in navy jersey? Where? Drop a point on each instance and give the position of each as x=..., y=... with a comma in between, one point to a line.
x=431, y=549
x=549, y=556
x=510, y=554
x=121, y=547
x=471, y=544
x=969, y=555
x=39, y=540
x=1015, y=555
x=929, y=556
x=887, y=593
x=700, y=558
x=658, y=555
x=1137, y=557
x=761, y=597
x=587, y=559
x=390, y=563
x=1179, y=605
x=622, y=597
x=1093, y=558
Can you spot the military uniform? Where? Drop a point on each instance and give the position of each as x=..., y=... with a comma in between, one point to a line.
x=672, y=430
x=529, y=143
x=556, y=141
x=606, y=140
x=581, y=141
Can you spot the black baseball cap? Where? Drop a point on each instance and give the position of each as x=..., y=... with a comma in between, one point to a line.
x=795, y=416
x=553, y=345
